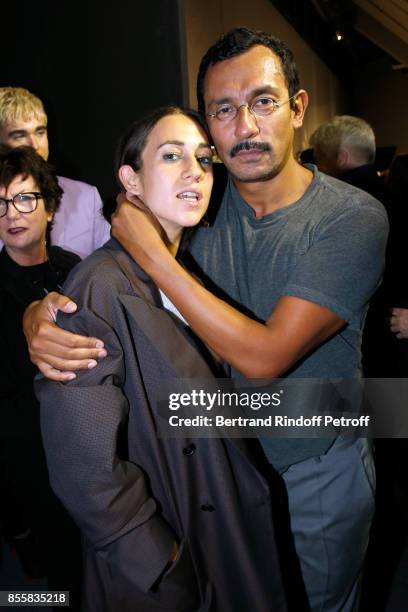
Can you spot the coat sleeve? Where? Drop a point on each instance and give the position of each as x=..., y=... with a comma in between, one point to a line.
x=83, y=423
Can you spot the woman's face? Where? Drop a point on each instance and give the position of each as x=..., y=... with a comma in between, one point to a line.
x=176, y=178
x=23, y=234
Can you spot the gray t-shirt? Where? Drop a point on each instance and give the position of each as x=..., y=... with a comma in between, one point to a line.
x=327, y=247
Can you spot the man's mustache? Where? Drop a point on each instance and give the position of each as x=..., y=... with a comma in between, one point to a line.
x=248, y=145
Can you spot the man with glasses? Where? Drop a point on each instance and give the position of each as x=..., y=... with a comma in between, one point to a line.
x=79, y=225
x=299, y=251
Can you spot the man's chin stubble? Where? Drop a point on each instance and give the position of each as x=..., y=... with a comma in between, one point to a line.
x=258, y=178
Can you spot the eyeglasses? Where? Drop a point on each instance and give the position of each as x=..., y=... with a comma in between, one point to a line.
x=23, y=202
x=261, y=107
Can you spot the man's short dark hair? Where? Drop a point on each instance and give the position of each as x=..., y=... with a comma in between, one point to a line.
x=238, y=41
x=25, y=162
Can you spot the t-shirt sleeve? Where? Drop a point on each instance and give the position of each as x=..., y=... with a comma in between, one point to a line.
x=343, y=265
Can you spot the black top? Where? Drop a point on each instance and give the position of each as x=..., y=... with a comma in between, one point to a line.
x=19, y=286
x=366, y=178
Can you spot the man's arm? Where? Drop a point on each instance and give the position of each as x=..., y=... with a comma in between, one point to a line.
x=58, y=353
x=257, y=350
x=301, y=320
x=310, y=313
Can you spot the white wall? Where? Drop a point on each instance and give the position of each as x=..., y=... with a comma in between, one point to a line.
x=380, y=97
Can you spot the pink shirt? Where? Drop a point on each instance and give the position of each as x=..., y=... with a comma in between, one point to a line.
x=79, y=225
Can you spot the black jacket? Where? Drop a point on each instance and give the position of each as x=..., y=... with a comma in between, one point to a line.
x=19, y=286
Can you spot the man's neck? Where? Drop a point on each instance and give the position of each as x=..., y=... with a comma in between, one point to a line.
x=264, y=197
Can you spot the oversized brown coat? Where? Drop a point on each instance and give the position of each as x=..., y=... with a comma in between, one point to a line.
x=133, y=493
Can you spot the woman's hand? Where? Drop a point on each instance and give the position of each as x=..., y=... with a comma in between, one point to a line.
x=138, y=231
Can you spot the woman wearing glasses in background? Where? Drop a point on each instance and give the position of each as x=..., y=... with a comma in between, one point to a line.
x=31, y=517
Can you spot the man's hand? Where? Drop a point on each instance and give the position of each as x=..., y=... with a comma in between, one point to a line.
x=56, y=352
x=138, y=231
x=399, y=322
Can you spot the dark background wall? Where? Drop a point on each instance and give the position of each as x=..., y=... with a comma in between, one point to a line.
x=97, y=66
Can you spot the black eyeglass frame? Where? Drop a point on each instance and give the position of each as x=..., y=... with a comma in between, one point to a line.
x=276, y=105
x=8, y=201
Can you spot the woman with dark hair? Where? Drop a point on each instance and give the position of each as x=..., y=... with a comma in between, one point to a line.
x=167, y=523
x=33, y=520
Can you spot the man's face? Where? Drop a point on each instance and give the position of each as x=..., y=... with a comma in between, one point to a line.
x=242, y=80
x=29, y=133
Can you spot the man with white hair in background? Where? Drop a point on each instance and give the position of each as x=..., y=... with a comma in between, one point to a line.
x=78, y=225
x=345, y=148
